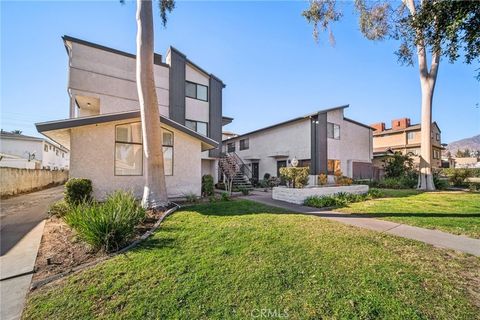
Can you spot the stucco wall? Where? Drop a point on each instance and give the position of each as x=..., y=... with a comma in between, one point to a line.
x=291, y=139
x=92, y=156
x=15, y=181
x=355, y=144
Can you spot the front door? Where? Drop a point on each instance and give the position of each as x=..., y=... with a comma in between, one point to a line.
x=255, y=171
x=281, y=164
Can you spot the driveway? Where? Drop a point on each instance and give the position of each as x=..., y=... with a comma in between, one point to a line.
x=20, y=214
x=21, y=228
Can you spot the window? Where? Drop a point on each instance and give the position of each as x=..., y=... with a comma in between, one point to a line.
x=56, y=152
x=128, y=150
x=304, y=163
x=63, y=155
x=244, y=144
x=333, y=131
x=436, y=154
x=198, y=126
x=437, y=136
x=45, y=148
x=167, y=152
x=332, y=166
x=231, y=147
x=196, y=91
x=50, y=147
x=410, y=135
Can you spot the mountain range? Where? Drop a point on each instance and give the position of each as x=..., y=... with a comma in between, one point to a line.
x=472, y=143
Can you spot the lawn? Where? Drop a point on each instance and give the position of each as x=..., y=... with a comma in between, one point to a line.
x=231, y=260
x=451, y=211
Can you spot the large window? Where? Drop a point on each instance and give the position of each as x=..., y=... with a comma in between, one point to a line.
x=231, y=147
x=196, y=91
x=333, y=131
x=198, y=126
x=244, y=144
x=332, y=166
x=436, y=154
x=410, y=135
x=129, y=150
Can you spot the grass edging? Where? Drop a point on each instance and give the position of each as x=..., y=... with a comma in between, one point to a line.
x=38, y=284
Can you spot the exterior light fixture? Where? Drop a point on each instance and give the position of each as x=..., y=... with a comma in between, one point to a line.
x=294, y=162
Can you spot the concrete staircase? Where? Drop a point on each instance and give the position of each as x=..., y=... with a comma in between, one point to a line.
x=232, y=166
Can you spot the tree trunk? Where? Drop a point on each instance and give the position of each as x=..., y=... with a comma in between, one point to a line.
x=425, y=178
x=155, y=190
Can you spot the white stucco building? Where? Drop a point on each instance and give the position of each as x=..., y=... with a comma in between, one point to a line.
x=27, y=152
x=104, y=131
x=324, y=141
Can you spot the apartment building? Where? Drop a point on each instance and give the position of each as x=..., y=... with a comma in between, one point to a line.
x=404, y=137
x=103, y=131
x=27, y=152
x=325, y=141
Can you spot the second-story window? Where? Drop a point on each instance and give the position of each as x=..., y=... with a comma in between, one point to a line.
x=45, y=148
x=231, y=147
x=196, y=91
x=333, y=131
x=198, y=126
x=244, y=144
x=410, y=135
x=437, y=136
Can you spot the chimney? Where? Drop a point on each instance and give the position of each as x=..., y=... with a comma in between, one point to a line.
x=379, y=127
x=399, y=124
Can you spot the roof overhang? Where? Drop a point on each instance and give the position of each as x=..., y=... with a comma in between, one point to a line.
x=226, y=120
x=59, y=130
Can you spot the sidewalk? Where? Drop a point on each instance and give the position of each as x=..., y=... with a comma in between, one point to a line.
x=433, y=237
x=22, y=222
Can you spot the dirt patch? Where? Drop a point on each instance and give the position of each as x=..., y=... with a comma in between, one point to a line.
x=61, y=249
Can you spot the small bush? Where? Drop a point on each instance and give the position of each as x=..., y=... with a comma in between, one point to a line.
x=322, y=179
x=78, y=190
x=191, y=197
x=109, y=225
x=375, y=193
x=473, y=172
x=225, y=196
x=296, y=177
x=58, y=209
x=474, y=186
x=440, y=184
x=266, y=176
x=273, y=182
x=244, y=191
x=459, y=177
x=341, y=199
x=207, y=185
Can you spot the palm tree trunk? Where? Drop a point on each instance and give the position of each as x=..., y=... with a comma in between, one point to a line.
x=155, y=190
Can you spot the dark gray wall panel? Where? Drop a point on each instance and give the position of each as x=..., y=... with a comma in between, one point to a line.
x=215, y=117
x=319, y=156
x=177, y=87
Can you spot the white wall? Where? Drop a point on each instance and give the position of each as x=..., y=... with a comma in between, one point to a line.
x=93, y=157
x=291, y=139
x=355, y=144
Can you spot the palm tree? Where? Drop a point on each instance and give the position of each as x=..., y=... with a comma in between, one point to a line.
x=155, y=190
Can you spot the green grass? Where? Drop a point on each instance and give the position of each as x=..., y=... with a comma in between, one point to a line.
x=450, y=211
x=229, y=260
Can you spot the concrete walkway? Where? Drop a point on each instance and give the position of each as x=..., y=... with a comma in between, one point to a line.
x=433, y=237
x=22, y=221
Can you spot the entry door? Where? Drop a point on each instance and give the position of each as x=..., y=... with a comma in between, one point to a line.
x=255, y=171
x=281, y=164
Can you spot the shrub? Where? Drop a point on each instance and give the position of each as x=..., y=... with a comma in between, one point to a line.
x=398, y=165
x=474, y=186
x=58, y=209
x=266, y=176
x=244, y=191
x=459, y=176
x=190, y=197
x=297, y=177
x=78, y=190
x=440, y=184
x=340, y=199
x=322, y=179
x=220, y=186
x=375, y=193
x=225, y=196
x=207, y=185
x=273, y=182
x=109, y=225
x=474, y=172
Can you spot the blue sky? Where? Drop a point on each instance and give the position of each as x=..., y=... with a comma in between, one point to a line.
x=263, y=51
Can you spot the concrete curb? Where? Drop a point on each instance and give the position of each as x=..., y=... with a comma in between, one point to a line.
x=38, y=284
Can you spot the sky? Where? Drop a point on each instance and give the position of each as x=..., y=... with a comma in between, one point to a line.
x=263, y=51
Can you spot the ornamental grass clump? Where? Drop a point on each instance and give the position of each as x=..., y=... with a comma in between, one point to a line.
x=109, y=225
x=341, y=199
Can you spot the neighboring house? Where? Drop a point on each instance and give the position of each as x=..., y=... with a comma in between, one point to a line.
x=227, y=135
x=27, y=152
x=104, y=129
x=405, y=138
x=325, y=141
x=470, y=162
